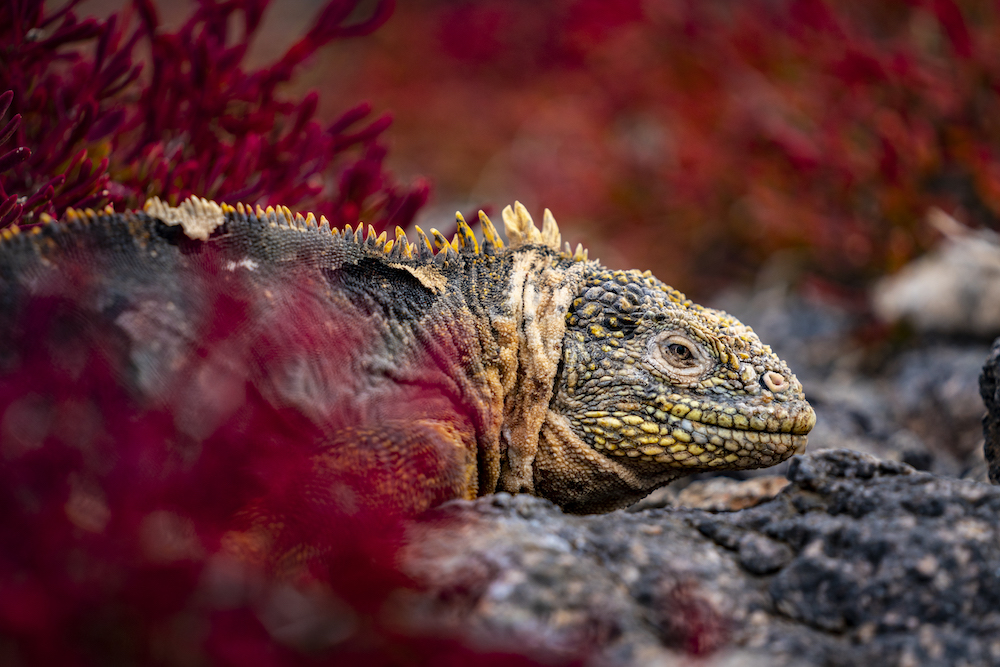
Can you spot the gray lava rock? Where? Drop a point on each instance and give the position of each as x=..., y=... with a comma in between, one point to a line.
x=934, y=392
x=857, y=561
x=989, y=389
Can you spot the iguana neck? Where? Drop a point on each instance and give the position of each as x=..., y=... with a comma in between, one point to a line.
x=528, y=330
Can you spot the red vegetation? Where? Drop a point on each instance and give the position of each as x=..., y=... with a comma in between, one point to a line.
x=693, y=138
x=134, y=534
x=688, y=621
x=97, y=121
x=698, y=138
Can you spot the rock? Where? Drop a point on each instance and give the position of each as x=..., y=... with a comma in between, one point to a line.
x=717, y=494
x=857, y=561
x=954, y=289
x=722, y=494
x=933, y=392
x=989, y=389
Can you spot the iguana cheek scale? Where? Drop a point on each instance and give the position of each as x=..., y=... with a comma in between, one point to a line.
x=430, y=370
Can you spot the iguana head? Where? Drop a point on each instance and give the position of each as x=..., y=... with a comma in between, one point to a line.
x=651, y=387
x=648, y=375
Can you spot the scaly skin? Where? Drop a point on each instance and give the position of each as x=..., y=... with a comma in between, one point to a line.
x=419, y=376
x=660, y=387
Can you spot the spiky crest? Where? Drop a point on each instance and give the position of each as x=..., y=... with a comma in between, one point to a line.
x=199, y=217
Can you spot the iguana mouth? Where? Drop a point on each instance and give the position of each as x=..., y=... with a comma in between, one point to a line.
x=738, y=438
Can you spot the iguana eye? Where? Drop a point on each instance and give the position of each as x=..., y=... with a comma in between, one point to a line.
x=680, y=353
x=678, y=356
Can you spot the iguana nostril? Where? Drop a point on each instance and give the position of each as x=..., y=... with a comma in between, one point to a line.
x=774, y=381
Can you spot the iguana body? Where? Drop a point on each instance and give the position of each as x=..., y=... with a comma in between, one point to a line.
x=426, y=376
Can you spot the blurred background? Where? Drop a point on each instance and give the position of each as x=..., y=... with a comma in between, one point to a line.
x=693, y=138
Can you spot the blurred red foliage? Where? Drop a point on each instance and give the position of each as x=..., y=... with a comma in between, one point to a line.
x=688, y=621
x=126, y=538
x=697, y=138
x=118, y=110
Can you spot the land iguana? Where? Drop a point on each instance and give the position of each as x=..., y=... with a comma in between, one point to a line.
x=433, y=370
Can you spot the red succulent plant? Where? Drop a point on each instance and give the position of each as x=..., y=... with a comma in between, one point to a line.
x=118, y=110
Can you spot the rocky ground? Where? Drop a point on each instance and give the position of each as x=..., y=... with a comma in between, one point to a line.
x=858, y=561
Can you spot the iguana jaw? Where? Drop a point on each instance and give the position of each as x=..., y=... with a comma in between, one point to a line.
x=587, y=477
x=582, y=480
x=691, y=432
